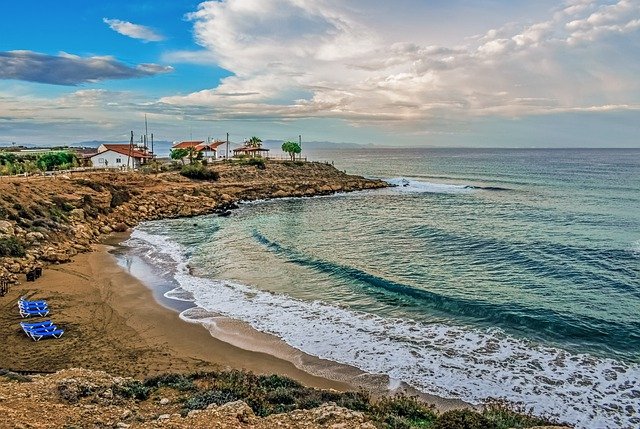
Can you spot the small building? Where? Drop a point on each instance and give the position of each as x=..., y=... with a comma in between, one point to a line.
x=209, y=150
x=119, y=156
x=251, y=151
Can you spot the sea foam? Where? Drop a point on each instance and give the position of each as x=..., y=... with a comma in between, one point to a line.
x=450, y=361
x=408, y=185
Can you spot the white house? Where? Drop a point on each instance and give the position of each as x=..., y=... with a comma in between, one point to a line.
x=119, y=156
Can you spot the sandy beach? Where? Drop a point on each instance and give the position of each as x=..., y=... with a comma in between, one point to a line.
x=113, y=323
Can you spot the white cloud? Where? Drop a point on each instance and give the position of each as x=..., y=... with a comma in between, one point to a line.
x=317, y=58
x=134, y=31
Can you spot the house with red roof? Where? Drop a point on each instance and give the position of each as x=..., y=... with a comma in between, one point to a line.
x=208, y=149
x=120, y=156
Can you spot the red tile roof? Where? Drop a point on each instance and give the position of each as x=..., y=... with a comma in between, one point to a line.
x=187, y=144
x=210, y=145
x=251, y=149
x=124, y=149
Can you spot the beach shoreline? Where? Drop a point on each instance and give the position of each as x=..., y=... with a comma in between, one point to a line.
x=114, y=323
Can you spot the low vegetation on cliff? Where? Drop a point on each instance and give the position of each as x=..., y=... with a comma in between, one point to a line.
x=235, y=399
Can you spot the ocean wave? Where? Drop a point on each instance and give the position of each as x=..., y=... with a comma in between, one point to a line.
x=557, y=326
x=451, y=361
x=406, y=185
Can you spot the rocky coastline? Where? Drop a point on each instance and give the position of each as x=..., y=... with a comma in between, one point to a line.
x=49, y=220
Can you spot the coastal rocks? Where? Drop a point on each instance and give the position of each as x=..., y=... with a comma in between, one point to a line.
x=34, y=238
x=6, y=228
x=96, y=204
x=55, y=256
x=77, y=215
x=325, y=416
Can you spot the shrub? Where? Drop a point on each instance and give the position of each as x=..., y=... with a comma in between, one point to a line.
x=13, y=376
x=403, y=412
x=257, y=162
x=463, y=419
x=118, y=196
x=179, y=382
x=506, y=416
x=11, y=246
x=132, y=389
x=62, y=204
x=199, y=172
x=202, y=400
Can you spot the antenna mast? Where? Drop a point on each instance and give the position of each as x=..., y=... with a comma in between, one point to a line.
x=130, y=150
x=146, y=132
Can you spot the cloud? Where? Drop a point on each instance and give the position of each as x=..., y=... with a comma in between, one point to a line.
x=135, y=31
x=319, y=59
x=67, y=69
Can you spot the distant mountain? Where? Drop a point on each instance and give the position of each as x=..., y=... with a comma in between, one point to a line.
x=317, y=145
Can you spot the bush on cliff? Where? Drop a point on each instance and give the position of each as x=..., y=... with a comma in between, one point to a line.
x=199, y=172
x=11, y=246
x=462, y=419
x=257, y=163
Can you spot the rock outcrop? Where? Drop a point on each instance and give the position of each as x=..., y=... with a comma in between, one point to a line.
x=48, y=220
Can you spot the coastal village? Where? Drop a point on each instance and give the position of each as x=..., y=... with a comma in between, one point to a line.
x=133, y=156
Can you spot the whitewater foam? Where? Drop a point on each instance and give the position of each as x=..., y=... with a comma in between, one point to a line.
x=449, y=361
x=408, y=185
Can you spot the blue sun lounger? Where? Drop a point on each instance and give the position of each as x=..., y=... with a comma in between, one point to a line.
x=33, y=306
x=26, y=312
x=38, y=334
x=26, y=327
x=32, y=303
x=26, y=301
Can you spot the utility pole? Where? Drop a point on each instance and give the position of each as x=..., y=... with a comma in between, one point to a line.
x=152, y=153
x=300, y=144
x=130, y=150
x=146, y=132
x=227, y=145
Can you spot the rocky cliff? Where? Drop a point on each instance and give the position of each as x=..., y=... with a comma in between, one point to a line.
x=46, y=220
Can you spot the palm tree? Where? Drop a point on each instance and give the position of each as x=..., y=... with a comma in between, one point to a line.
x=254, y=142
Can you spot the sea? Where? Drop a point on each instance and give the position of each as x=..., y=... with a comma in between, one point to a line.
x=484, y=273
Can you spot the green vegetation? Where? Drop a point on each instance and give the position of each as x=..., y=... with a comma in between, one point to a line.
x=18, y=162
x=271, y=394
x=199, y=172
x=11, y=246
x=292, y=148
x=133, y=389
x=463, y=419
x=179, y=154
x=507, y=416
x=258, y=163
x=254, y=142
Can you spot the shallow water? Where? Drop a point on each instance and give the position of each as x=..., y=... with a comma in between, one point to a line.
x=485, y=273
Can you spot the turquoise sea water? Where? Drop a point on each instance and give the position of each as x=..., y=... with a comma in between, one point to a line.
x=484, y=273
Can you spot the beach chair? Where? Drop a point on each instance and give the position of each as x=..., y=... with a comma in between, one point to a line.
x=40, y=329
x=31, y=326
x=25, y=301
x=33, y=307
x=26, y=312
x=40, y=334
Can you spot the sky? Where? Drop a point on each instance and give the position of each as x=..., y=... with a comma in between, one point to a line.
x=454, y=73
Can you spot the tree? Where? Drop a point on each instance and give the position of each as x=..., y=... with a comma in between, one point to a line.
x=292, y=148
x=179, y=154
x=254, y=142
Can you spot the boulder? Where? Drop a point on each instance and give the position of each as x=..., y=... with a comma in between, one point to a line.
x=6, y=228
x=76, y=215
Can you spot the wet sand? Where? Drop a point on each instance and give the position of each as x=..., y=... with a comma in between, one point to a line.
x=114, y=323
